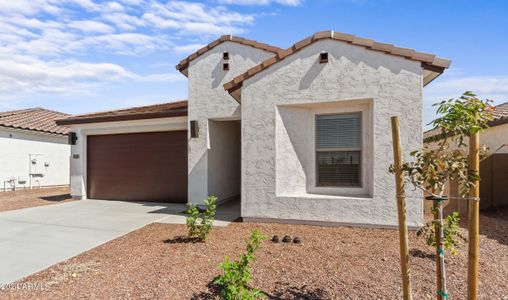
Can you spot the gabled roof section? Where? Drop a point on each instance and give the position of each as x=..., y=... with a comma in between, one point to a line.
x=34, y=119
x=184, y=64
x=430, y=62
x=501, y=112
x=163, y=110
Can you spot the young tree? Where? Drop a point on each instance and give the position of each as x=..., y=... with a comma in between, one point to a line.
x=431, y=169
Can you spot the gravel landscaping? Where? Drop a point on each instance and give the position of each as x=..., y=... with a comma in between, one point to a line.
x=36, y=197
x=329, y=263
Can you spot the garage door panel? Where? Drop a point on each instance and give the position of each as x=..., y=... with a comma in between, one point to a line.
x=138, y=167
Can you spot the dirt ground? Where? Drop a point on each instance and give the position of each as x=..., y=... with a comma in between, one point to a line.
x=154, y=262
x=36, y=197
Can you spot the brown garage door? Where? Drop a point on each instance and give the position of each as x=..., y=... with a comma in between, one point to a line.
x=138, y=166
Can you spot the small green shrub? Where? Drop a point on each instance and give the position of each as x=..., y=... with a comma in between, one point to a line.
x=200, y=223
x=192, y=220
x=207, y=217
x=450, y=231
x=234, y=282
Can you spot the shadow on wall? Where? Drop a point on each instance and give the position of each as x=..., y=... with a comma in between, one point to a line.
x=198, y=180
x=311, y=74
x=218, y=75
x=295, y=127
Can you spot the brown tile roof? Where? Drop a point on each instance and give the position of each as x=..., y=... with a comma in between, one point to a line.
x=184, y=64
x=163, y=110
x=429, y=61
x=35, y=119
x=500, y=117
x=501, y=112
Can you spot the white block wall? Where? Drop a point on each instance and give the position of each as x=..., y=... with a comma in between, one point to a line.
x=16, y=147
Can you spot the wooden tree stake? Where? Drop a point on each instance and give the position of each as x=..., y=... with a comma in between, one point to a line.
x=401, y=210
x=474, y=219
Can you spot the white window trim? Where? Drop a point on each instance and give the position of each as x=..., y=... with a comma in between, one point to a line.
x=367, y=165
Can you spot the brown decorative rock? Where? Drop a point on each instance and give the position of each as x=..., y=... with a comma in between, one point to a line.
x=297, y=240
x=275, y=239
x=286, y=239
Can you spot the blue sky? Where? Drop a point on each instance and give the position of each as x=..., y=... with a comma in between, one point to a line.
x=80, y=56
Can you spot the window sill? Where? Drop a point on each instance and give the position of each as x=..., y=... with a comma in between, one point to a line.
x=326, y=197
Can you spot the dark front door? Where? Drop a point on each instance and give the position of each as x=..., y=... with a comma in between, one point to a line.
x=148, y=166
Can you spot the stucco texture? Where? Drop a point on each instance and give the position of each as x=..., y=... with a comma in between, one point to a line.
x=209, y=101
x=377, y=84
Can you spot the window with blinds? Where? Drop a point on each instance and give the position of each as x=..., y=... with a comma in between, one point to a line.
x=339, y=149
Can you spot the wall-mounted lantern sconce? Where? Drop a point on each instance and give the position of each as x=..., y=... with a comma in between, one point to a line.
x=225, y=67
x=194, y=129
x=72, y=138
x=225, y=55
x=323, y=57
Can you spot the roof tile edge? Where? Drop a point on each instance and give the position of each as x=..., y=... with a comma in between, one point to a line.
x=184, y=63
x=426, y=59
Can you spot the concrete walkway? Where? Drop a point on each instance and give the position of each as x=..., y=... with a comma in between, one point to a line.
x=33, y=239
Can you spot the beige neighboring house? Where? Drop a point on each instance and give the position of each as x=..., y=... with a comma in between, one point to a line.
x=298, y=134
x=34, y=151
x=493, y=169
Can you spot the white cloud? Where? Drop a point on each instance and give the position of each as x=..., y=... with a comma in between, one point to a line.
x=128, y=43
x=188, y=48
x=262, y=2
x=86, y=4
x=479, y=84
x=66, y=76
x=194, y=18
x=163, y=77
x=114, y=6
x=122, y=20
x=52, y=46
x=89, y=26
x=29, y=7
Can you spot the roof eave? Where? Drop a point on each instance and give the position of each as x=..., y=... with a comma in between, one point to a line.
x=17, y=128
x=431, y=72
x=498, y=122
x=126, y=117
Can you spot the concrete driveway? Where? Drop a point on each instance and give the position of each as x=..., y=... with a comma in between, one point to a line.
x=33, y=239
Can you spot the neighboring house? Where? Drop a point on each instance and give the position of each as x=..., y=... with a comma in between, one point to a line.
x=34, y=151
x=301, y=135
x=493, y=169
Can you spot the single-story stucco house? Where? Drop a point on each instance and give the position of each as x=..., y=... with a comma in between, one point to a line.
x=300, y=134
x=34, y=151
x=493, y=168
